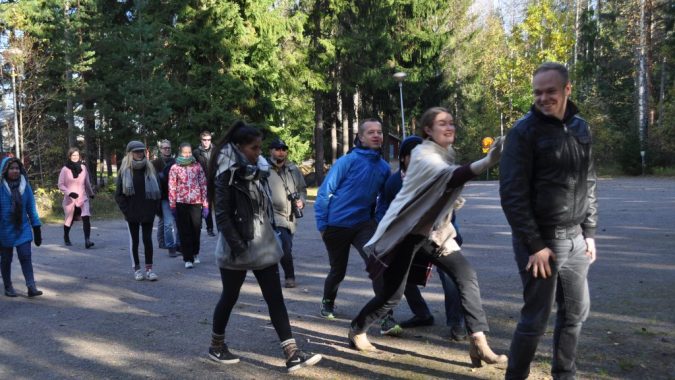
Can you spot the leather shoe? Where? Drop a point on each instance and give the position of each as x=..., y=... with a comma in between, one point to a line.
x=458, y=333
x=10, y=292
x=34, y=292
x=418, y=321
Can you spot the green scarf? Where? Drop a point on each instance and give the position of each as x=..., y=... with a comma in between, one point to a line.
x=182, y=161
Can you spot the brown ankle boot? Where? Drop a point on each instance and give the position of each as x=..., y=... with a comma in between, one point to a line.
x=480, y=351
x=360, y=342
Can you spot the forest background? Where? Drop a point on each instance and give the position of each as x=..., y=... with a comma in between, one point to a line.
x=98, y=73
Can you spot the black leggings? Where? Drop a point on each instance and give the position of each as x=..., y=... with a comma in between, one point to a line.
x=147, y=242
x=268, y=279
x=395, y=278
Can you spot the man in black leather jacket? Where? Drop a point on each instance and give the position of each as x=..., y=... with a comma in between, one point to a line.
x=202, y=154
x=547, y=189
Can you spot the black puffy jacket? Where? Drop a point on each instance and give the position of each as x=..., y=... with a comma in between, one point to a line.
x=547, y=176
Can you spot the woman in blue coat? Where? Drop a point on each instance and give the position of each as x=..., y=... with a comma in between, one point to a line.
x=18, y=216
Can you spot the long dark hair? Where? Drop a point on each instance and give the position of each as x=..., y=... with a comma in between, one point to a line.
x=239, y=134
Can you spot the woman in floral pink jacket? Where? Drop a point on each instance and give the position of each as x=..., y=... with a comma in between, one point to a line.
x=76, y=188
x=188, y=202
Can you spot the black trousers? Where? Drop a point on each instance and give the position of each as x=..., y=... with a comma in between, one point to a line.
x=209, y=221
x=338, y=241
x=147, y=243
x=268, y=279
x=395, y=278
x=189, y=223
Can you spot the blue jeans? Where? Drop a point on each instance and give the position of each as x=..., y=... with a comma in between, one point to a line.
x=453, y=305
x=24, y=253
x=287, y=246
x=568, y=287
x=170, y=229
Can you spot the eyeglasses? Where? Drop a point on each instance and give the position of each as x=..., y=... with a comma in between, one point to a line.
x=282, y=148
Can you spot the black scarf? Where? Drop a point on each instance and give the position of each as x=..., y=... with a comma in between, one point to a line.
x=75, y=167
x=16, y=209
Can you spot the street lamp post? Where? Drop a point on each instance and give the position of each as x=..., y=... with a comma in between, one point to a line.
x=399, y=76
x=13, y=53
x=16, y=112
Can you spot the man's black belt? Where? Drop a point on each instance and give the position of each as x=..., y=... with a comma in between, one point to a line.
x=555, y=232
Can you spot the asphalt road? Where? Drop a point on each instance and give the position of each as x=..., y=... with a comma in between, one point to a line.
x=95, y=321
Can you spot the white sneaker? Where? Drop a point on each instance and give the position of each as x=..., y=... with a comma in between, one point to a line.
x=189, y=265
x=138, y=275
x=151, y=276
x=196, y=260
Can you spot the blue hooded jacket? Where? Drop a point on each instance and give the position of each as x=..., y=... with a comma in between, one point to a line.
x=10, y=236
x=348, y=194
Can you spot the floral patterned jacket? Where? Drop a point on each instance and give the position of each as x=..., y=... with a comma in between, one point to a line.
x=187, y=184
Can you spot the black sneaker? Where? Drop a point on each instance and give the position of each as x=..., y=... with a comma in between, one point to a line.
x=301, y=359
x=210, y=233
x=390, y=327
x=223, y=355
x=417, y=321
x=327, y=309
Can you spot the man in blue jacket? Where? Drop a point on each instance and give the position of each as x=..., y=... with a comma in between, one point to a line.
x=345, y=211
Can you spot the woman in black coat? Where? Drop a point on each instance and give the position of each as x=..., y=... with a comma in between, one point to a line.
x=138, y=197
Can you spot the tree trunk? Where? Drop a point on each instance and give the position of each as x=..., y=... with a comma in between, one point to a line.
x=356, y=104
x=343, y=101
x=577, y=6
x=70, y=117
x=333, y=138
x=642, y=89
x=90, y=149
x=318, y=137
x=386, y=122
x=662, y=90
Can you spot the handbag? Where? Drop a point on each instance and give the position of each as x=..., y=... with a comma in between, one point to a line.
x=261, y=252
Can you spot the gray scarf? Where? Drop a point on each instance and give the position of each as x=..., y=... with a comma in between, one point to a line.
x=16, y=209
x=151, y=185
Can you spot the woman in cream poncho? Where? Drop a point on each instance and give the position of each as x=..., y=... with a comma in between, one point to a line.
x=420, y=217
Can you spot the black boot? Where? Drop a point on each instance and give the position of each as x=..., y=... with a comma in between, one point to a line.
x=86, y=224
x=33, y=291
x=66, y=237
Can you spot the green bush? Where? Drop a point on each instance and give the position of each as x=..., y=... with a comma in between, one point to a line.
x=49, y=205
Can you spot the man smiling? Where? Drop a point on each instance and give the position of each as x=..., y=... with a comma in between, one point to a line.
x=547, y=189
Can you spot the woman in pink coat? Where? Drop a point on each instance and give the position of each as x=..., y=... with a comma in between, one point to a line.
x=76, y=188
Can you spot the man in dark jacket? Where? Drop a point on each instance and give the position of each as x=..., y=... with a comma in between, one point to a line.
x=547, y=189
x=167, y=233
x=289, y=194
x=203, y=154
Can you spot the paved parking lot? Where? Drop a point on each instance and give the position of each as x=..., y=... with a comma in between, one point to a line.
x=95, y=321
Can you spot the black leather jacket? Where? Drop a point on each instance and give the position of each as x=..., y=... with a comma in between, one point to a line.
x=234, y=210
x=547, y=176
